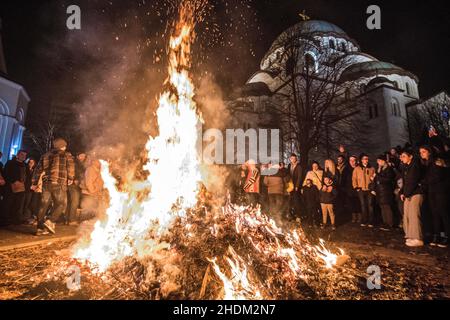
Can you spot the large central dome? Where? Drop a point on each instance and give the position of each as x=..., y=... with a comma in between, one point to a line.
x=309, y=27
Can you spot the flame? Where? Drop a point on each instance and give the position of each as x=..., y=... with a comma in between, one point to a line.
x=237, y=286
x=172, y=164
x=292, y=252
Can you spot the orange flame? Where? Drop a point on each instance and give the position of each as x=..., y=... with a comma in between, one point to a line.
x=172, y=163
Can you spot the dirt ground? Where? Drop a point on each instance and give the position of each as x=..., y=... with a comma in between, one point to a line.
x=41, y=271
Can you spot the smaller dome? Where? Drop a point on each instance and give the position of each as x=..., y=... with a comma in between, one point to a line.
x=379, y=80
x=371, y=68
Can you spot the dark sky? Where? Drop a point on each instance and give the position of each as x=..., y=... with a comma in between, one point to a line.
x=52, y=63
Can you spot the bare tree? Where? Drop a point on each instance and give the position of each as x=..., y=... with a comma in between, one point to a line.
x=315, y=109
x=432, y=112
x=43, y=129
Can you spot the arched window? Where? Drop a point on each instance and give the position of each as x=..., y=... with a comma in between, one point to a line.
x=408, y=89
x=343, y=47
x=373, y=111
x=395, y=108
x=310, y=62
x=331, y=44
x=396, y=84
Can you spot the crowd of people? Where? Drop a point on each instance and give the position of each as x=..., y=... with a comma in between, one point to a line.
x=406, y=189
x=58, y=187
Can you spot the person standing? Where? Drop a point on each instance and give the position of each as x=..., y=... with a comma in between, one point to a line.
x=436, y=186
x=252, y=183
x=327, y=197
x=275, y=190
x=353, y=206
x=30, y=204
x=295, y=176
x=361, y=179
x=330, y=169
x=412, y=196
x=315, y=175
x=384, y=189
x=92, y=190
x=342, y=177
x=311, y=200
x=74, y=190
x=15, y=176
x=59, y=173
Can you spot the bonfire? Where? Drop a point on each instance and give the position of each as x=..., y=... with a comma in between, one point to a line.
x=171, y=242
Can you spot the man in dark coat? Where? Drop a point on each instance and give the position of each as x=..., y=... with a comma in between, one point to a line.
x=15, y=174
x=384, y=189
x=436, y=186
x=296, y=175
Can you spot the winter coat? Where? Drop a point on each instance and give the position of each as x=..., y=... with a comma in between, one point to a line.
x=328, y=197
x=252, y=181
x=436, y=177
x=412, y=179
x=296, y=175
x=343, y=177
x=311, y=196
x=58, y=167
x=316, y=177
x=14, y=171
x=361, y=177
x=384, y=186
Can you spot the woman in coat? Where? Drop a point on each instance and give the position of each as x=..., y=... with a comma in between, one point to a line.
x=384, y=190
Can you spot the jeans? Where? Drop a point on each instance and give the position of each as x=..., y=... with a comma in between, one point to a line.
x=73, y=202
x=57, y=194
x=366, y=200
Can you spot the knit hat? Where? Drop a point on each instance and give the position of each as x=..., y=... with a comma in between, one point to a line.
x=59, y=143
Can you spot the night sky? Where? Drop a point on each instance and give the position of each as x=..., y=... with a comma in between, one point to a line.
x=120, y=49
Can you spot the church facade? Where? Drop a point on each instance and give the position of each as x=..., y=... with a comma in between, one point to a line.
x=14, y=102
x=382, y=90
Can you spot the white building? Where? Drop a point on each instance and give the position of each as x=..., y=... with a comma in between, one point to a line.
x=382, y=89
x=14, y=102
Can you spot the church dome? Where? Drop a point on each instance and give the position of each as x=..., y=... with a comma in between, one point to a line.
x=309, y=27
x=371, y=68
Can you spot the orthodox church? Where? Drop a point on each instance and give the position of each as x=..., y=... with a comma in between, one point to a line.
x=14, y=102
x=384, y=90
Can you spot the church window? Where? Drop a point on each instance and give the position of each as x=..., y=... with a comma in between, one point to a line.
x=373, y=111
x=331, y=44
x=310, y=62
x=395, y=108
x=343, y=47
x=408, y=89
